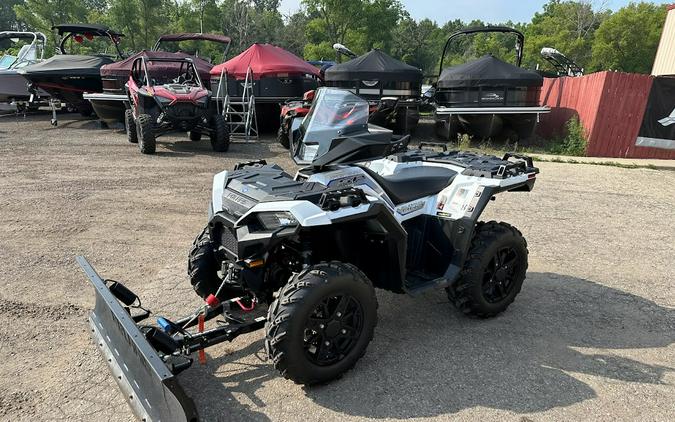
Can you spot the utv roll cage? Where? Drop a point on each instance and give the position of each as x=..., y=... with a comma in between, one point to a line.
x=88, y=30
x=139, y=69
x=520, y=40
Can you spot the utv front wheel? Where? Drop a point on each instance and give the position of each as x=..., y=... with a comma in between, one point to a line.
x=220, y=135
x=130, y=125
x=146, y=134
x=321, y=323
x=493, y=273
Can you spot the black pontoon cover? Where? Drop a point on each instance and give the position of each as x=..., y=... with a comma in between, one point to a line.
x=82, y=28
x=122, y=68
x=374, y=65
x=223, y=39
x=488, y=71
x=68, y=64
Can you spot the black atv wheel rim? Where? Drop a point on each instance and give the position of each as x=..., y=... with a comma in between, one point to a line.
x=499, y=275
x=333, y=329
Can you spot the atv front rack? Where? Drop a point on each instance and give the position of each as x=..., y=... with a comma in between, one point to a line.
x=145, y=359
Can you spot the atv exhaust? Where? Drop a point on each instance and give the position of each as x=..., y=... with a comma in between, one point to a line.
x=151, y=389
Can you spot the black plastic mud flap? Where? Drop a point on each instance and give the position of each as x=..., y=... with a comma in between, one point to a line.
x=151, y=389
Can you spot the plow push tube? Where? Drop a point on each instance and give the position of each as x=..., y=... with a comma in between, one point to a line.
x=150, y=388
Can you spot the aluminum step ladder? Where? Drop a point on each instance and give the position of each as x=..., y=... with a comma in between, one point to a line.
x=239, y=111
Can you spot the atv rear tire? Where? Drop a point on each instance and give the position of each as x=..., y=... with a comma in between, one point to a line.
x=195, y=135
x=203, y=266
x=220, y=134
x=130, y=126
x=283, y=137
x=493, y=273
x=146, y=134
x=321, y=323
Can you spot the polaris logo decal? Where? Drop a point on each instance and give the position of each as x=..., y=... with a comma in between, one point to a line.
x=238, y=199
x=346, y=181
x=667, y=121
x=410, y=207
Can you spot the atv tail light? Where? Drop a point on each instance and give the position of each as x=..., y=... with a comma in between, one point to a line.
x=276, y=219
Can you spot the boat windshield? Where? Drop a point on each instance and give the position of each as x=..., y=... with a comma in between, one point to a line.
x=6, y=61
x=334, y=113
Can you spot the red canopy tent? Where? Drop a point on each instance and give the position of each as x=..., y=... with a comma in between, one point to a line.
x=265, y=60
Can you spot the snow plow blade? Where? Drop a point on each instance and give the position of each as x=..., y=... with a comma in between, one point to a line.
x=151, y=390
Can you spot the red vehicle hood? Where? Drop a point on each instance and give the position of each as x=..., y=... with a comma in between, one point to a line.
x=180, y=93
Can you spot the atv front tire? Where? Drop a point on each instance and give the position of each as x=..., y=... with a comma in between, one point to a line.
x=195, y=135
x=321, y=323
x=203, y=266
x=283, y=137
x=493, y=273
x=220, y=134
x=130, y=125
x=146, y=135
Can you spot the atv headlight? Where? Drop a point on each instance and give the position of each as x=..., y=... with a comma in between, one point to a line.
x=276, y=219
x=163, y=100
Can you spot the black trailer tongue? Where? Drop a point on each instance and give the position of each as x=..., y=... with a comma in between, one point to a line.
x=150, y=387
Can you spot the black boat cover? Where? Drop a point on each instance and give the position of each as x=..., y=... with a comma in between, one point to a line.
x=374, y=65
x=488, y=71
x=68, y=64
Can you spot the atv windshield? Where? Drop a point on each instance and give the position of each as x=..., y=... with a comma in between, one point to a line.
x=334, y=113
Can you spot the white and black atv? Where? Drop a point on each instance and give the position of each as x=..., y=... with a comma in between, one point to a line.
x=301, y=256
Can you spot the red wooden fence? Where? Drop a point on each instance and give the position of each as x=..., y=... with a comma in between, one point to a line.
x=610, y=106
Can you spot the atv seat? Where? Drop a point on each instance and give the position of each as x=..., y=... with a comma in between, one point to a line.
x=411, y=183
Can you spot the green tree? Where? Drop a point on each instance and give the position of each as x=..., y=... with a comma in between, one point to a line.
x=8, y=19
x=628, y=39
x=42, y=15
x=293, y=37
x=122, y=15
x=568, y=26
x=418, y=43
x=360, y=24
x=331, y=20
x=151, y=14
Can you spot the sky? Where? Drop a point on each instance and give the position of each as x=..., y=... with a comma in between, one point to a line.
x=492, y=11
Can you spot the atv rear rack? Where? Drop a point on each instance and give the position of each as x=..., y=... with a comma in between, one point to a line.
x=145, y=359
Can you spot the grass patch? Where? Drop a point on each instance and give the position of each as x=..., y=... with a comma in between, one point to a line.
x=574, y=143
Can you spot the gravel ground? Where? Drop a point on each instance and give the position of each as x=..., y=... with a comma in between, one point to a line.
x=589, y=338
